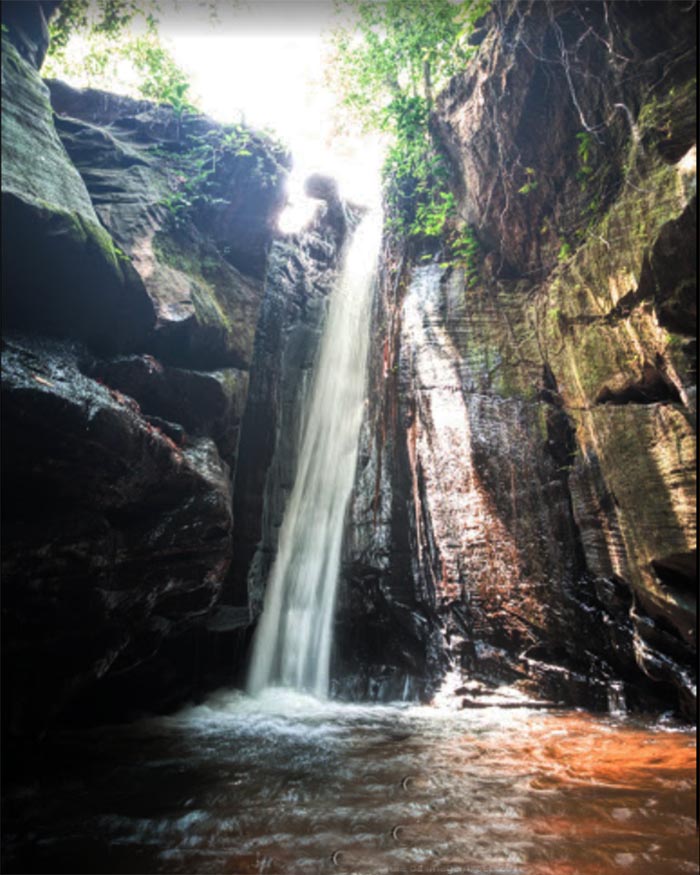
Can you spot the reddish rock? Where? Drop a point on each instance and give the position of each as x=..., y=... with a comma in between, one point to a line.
x=524, y=505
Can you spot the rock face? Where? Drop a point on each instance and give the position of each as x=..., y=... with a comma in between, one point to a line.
x=118, y=538
x=27, y=26
x=52, y=236
x=192, y=209
x=524, y=502
x=524, y=507
x=135, y=266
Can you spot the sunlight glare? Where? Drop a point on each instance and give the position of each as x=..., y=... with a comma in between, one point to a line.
x=264, y=65
x=275, y=81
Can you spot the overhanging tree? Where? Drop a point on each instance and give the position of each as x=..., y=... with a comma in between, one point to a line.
x=388, y=66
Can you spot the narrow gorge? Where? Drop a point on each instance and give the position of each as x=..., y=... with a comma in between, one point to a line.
x=369, y=546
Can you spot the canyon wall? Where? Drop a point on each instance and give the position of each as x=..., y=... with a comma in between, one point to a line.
x=140, y=252
x=525, y=506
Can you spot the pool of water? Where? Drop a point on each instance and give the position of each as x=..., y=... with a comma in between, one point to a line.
x=285, y=783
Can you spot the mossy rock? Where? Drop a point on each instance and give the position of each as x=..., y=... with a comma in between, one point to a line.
x=35, y=166
x=195, y=222
x=218, y=305
x=63, y=276
x=62, y=273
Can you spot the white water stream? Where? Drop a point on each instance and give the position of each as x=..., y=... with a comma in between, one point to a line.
x=292, y=644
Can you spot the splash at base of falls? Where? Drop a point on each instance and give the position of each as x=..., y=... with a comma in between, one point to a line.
x=292, y=643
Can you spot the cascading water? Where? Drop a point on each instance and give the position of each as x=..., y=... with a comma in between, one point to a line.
x=292, y=644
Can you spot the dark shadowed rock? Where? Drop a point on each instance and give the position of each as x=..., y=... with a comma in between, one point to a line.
x=27, y=27
x=204, y=403
x=301, y=271
x=325, y=188
x=118, y=537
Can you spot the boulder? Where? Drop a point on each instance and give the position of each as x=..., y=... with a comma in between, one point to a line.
x=118, y=538
x=204, y=403
x=193, y=205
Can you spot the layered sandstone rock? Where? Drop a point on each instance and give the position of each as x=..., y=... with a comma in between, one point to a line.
x=526, y=491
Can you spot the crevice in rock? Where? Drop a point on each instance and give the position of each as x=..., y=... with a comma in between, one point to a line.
x=678, y=571
x=668, y=274
x=652, y=387
x=674, y=145
x=561, y=434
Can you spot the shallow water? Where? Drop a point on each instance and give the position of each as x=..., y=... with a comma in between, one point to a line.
x=285, y=783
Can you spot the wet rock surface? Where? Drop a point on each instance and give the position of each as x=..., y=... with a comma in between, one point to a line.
x=118, y=537
x=389, y=641
x=198, y=403
x=528, y=469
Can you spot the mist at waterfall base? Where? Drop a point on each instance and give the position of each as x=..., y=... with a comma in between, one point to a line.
x=292, y=645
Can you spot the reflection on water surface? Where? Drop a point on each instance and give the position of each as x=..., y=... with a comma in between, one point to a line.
x=288, y=784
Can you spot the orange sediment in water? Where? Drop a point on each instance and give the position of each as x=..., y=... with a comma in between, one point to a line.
x=285, y=783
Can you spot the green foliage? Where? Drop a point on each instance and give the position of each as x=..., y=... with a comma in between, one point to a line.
x=465, y=253
x=103, y=25
x=193, y=171
x=121, y=255
x=431, y=216
x=584, y=149
x=593, y=206
x=414, y=174
x=386, y=71
x=160, y=77
x=564, y=252
x=399, y=48
x=157, y=76
x=585, y=142
x=468, y=15
x=531, y=183
x=108, y=18
x=675, y=342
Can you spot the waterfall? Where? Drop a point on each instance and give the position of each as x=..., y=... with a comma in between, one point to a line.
x=292, y=644
x=616, y=698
